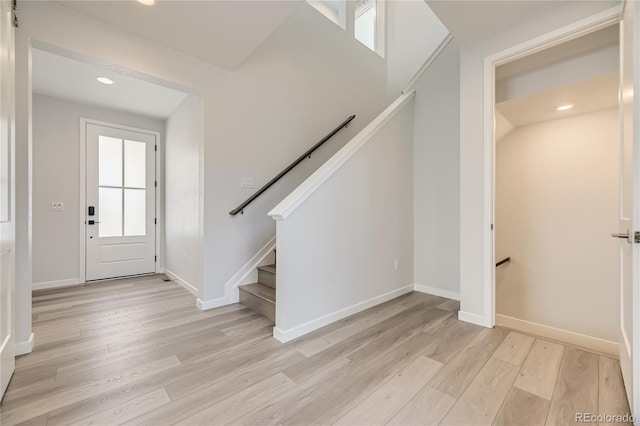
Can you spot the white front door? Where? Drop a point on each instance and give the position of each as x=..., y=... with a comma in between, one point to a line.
x=120, y=202
x=7, y=124
x=629, y=220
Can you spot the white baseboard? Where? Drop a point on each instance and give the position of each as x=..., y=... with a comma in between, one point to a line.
x=475, y=319
x=588, y=342
x=309, y=326
x=23, y=348
x=191, y=289
x=231, y=287
x=55, y=284
x=453, y=295
x=204, y=305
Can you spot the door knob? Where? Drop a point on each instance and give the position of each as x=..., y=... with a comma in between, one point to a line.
x=92, y=222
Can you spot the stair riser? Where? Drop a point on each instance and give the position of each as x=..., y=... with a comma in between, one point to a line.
x=258, y=304
x=267, y=278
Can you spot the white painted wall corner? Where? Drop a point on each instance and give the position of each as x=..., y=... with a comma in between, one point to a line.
x=475, y=319
x=23, y=348
x=190, y=288
x=421, y=288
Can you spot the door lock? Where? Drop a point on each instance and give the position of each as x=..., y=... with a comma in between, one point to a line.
x=91, y=222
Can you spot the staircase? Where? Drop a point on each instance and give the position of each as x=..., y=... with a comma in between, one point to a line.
x=261, y=296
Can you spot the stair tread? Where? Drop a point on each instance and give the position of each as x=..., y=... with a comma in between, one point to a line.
x=262, y=291
x=268, y=268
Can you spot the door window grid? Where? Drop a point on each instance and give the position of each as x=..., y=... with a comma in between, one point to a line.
x=122, y=187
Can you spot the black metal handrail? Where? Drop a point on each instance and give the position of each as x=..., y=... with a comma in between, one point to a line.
x=240, y=208
x=503, y=261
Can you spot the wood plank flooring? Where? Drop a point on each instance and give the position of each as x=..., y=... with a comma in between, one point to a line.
x=138, y=352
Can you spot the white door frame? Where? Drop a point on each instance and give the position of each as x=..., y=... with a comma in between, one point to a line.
x=577, y=29
x=82, y=272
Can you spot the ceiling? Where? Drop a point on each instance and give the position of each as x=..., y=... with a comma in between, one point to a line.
x=468, y=19
x=65, y=78
x=222, y=33
x=586, y=96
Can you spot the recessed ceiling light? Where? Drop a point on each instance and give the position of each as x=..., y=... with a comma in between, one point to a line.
x=148, y=2
x=104, y=80
x=564, y=107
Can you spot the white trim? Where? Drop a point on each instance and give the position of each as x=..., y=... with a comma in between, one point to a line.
x=55, y=284
x=204, y=305
x=231, y=287
x=588, y=342
x=444, y=43
x=231, y=294
x=191, y=289
x=569, y=32
x=421, y=288
x=476, y=319
x=23, y=348
x=82, y=271
x=302, y=329
x=313, y=182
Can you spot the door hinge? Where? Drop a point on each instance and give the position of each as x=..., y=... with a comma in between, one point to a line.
x=155, y=258
x=156, y=183
x=155, y=221
x=492, y=226
x=156, y=148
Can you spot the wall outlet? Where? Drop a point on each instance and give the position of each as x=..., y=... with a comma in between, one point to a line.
x=247, y=182
x=57, y=206
x=396, y=264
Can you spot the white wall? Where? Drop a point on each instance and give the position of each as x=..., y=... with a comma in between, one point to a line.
x=475, y=216
x=307, y=77
x=182, y=193
x=336, y=250
x=436, y=176
x=56, y=177
x=586, y=66
x=413, y=33
x=556, y=204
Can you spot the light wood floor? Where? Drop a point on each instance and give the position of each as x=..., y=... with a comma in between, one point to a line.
x=138, y=351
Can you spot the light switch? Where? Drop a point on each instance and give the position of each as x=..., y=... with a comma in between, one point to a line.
x=57, y=206
x=247, y=182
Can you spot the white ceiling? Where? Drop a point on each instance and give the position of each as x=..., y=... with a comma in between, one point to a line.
x=222, y=33
x=65, y=78
x=586, y=96
x=468, y=19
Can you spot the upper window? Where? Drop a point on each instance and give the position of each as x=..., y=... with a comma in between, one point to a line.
x=365, y=23
x=366, y=18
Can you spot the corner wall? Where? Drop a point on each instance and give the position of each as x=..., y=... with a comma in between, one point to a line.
x=413, y=33
x=436, y=192
x=183, y=194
